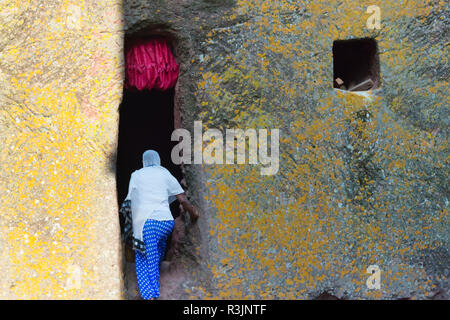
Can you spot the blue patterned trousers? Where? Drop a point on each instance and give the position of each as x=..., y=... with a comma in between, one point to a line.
x=155, y=234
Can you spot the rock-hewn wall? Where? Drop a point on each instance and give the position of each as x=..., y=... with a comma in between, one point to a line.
x=362, y=181
x=61, y=82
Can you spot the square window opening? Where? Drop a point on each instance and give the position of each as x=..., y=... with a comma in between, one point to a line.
x=356, y=65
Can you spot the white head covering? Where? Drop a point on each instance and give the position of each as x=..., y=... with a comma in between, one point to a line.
x=151, y=158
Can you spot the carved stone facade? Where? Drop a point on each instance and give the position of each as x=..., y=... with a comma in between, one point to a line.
x=362, y=179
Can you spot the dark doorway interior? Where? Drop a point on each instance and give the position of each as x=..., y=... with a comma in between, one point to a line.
x=356, y=64
x=146, y=122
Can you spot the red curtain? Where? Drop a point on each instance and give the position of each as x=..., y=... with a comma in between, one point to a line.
x=149, y=64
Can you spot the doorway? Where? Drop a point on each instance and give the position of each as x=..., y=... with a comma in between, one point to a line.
x=146, y=121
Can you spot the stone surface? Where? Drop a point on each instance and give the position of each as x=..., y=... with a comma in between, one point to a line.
x=362, y=179
x=61, y=83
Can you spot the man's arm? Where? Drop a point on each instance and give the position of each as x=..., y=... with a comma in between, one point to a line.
x=187, y=206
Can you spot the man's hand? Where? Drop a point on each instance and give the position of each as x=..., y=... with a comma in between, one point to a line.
x=194, y=216
x=187, y=206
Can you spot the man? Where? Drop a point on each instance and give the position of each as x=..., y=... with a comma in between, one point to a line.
x=150, y=191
